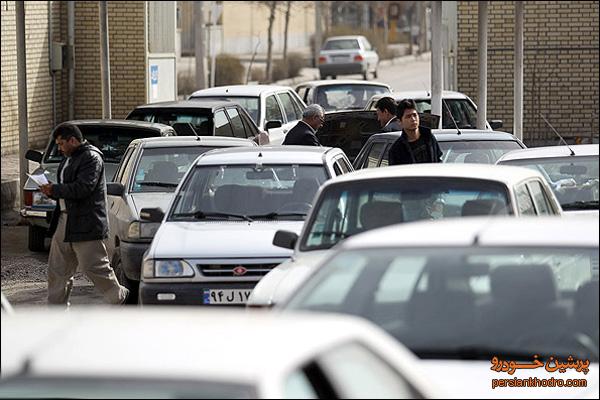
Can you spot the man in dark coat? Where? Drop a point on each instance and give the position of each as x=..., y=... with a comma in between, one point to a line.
x=304, y=133
x=386, y=109
x=79, y=221
x=416, y=144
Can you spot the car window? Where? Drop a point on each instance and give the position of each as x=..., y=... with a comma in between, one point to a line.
x=342, y=166
x=250, y=127
x=298, y=386
x=310, y=95
x=347, y=96
x=524, y=201
x=366, y=44
x=250, y=104
x=385, y=160
x=302, y=92
x=273, y=112
x=337, y=170
x=122, y=165
x=236, y=123
x=374, y=155
x=291, y=112
x=200, y=119
x=298, y=106
x=222, y=125
x=540, y=198
x=476, y=151
x=463, y=112
x=341, y=44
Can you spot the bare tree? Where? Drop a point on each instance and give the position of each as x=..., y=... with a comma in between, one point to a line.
x=272, y=5
x=288, y=9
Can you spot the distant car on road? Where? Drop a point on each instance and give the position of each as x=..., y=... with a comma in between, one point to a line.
x=203, y=354
x=202, y=118
x=274, y=109
x=571, y=171
x=147, y=177
x=110, y=136
x=340, y=94
x=347, y=55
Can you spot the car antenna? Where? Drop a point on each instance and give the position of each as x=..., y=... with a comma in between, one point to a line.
x=426, y=90
x=557, y=134
x=451, y=117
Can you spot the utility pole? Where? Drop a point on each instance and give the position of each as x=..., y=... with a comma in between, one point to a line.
x=105, y=60
x=318, y=32
x=437, y=75
x=22, y=94
x=518, y=90
x=482, y=58
x=71, y=58
x=199, y=45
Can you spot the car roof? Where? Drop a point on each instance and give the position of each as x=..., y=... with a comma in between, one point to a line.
x=551, y=152
x=177, y=342
x=324, y=82
x=268, y=155
x=422, y=94
x=181, y=141
x=200, y=103
x=239, y=90
x=572, y=231
x=508, y=175
x=445, y=135
x=344, y=37
x=123, y=123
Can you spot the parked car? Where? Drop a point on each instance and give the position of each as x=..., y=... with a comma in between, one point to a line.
x=147, y=177
x=372, y=198
x=346, y=55
x=341, y=94
x=467, y=295
x=571, y=171
x=202, y=118
x=462, y=108
x=215, y=241
x=206, y=354
x=110, y=136
x=472, y=146
x=266, y=104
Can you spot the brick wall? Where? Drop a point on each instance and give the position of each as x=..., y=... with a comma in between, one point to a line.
x=560, y=76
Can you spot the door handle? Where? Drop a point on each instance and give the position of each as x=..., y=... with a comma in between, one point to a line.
x=285, y=131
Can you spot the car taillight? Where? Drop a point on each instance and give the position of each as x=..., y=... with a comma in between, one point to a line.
x=322, y=59
x=28, y=197
x=358, y=57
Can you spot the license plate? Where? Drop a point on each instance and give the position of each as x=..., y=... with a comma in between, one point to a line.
x=338, y=59
x=226, y=296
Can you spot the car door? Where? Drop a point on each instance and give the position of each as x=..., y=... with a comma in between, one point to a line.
x=273, y=112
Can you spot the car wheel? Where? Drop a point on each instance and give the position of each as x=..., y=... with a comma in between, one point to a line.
x=132, y=285
x=333, y=76
x=37, y=238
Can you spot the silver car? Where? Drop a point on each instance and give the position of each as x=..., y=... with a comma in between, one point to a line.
x=347, y=55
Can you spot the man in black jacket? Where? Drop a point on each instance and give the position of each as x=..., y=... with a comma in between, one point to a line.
x=304, y=133
x=79, y=221
x=386, y=109
x=416, y=144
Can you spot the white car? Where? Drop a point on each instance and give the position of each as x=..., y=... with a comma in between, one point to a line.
x=215, y=241
x=484, y=302
x=347, y=55
x=274, y=109
x=212, y=354
x=571, y=171
x=340, y=94
x=375, y=197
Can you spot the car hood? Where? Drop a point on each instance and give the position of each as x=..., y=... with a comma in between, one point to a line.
x=151, y=200
x=219, y=239
x=50, y=171
x=283, y=280
x=581, y=213
x=473, y=379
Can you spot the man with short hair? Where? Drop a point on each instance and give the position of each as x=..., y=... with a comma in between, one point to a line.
x=304, y=133
x=79, y=221
x=386, y=115
x=416, y=144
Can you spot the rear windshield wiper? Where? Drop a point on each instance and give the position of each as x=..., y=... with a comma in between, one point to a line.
x=274, y=215
x=204, y=215
x=161, y=184
x=581, y=205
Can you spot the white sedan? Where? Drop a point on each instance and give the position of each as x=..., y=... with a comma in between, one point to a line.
x=213, y=354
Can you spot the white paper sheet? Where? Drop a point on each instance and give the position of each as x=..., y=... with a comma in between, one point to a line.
x=39, y=179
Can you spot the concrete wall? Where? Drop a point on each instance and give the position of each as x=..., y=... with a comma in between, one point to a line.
x=560, y=65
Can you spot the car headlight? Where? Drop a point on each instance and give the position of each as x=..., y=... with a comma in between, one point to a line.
x=134, y=230
x=172, y=269
x=142, y=230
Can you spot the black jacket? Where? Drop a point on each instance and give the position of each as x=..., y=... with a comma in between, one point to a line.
x=84, y=191
x=393, y=126
x=400, y=152
x=301, y=134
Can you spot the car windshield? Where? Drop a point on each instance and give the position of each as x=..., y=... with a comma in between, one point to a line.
x=348, y=96
x=463, y=112
x=111, y=140
x=467, y=303
x=346, y=209
x=277, y=191
x=250, y=104
x=574, y=180
x=200, y=119
x=341, y=44
x=161, y=169
x=476, y=151
x=65, y=387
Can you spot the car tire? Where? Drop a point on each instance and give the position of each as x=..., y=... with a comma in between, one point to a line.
x=333, y=76
x=133, y=286
x=36, y=238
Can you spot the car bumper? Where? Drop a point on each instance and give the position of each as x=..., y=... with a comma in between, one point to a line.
x=347, y=68
x=188, y=293
x=37, y=217
x=132, y=255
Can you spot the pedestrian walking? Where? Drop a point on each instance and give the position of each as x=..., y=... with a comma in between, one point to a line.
x=416, y=144
x=304, y=133
x=79, y=222
x=386, y=109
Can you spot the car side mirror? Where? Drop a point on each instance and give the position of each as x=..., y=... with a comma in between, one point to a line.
x=34, y=155
x=273, y=124
x=496, y=124
x=285, y=239
x=152, y=214
x=115, y=189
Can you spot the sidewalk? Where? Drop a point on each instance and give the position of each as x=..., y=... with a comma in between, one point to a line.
x=11, y=188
